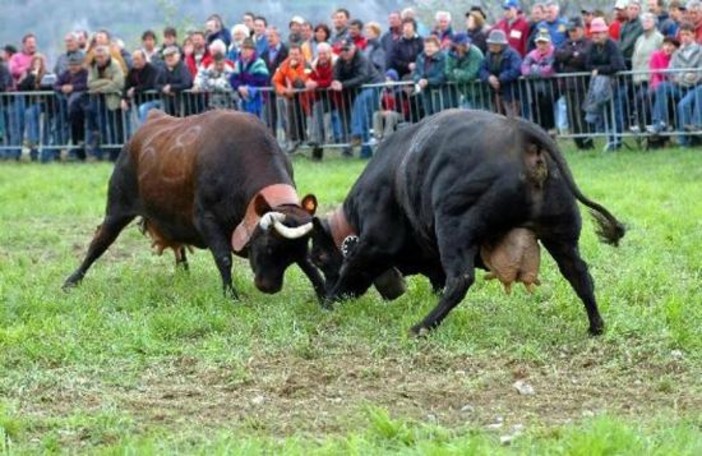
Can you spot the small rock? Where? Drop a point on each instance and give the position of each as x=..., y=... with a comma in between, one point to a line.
x=431, y=417
x=524, y=388
x=676, y=354
x=506, y=439
x=494, y=426
x=588, y=413
x=258, y=400
x=467, y=409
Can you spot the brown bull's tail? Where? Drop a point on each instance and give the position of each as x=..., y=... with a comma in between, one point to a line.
x=609, y=230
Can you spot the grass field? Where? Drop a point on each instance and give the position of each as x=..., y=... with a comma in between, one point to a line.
x=141, y=359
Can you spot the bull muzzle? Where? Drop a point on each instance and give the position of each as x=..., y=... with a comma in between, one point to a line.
x=275, y=220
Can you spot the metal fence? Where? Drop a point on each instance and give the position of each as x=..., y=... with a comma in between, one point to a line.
x=642, y=107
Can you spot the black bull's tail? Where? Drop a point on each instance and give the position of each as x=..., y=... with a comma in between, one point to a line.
x=609, y=229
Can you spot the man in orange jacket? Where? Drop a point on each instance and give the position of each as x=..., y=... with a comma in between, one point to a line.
x=289, y=82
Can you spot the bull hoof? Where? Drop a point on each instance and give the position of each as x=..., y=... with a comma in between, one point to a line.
x=419, y=331
x=596, y=330
x=71, y=282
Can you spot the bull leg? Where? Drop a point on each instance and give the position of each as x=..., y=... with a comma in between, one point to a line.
x=458, y=260
x=106, y=234
x=218, y=243
x=574, y=269
x=182, y=259
x=315, y=277
x=359, y=270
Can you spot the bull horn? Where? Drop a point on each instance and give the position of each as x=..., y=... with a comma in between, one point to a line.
x=292, y=233
x=269, y=219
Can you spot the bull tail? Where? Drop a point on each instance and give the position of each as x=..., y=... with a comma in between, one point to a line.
x=609, y=230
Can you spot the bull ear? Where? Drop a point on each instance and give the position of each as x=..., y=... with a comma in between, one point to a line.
x=261, y=206
x=309, y=204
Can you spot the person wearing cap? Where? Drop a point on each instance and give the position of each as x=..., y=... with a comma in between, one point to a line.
x=587, y=14
x=631, y=30
x=683, y=88
x=105, y=85
x=351, y=71
x=462, y=67
x=249, y=75
x=430, y=77
x=140, y=84
x=604, y=58
x=71, y=47
x=214, y=80
x=537, y=68
x=406, y=50
x=569, y=57
x=620, y=17
x=537, y=14
x=646, y=44
x=554, y=23
x=295, y=30
x=175, y=79
x=71, y=87
x=501, y=70
x=515, y=26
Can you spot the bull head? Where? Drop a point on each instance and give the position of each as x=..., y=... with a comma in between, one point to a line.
x=276, y=221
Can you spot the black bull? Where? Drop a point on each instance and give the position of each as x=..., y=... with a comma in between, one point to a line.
x=218, y=181
x=436, y=191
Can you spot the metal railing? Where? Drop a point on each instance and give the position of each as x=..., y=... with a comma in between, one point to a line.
x=48, y=125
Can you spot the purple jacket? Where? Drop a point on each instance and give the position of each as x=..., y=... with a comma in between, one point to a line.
x=79, y=81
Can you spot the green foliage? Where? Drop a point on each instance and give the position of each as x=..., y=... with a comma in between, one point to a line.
x=141, y=359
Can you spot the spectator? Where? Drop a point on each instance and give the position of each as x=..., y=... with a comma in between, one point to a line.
x=694, y=16
x=477, y=30
x=273, y=56
x=105, y=85
x=306, y=32
x=214, y=79
x=70, y=42
x=394, y=108
x=631, y=30
x=199, y=55
x=295, y=30
x=603, y=58
x=392, y=35
x=430, y=77
x=259, y=36
x=248, y=20
x=554, y=23
x=462, y=66
x=442, y=29
x=71, y=87
x=682, y=87
x=419, y=27
x=538, y=67
x=340, y=20
x=570, y=58
x=170, y=38
x=140, y=86
x=405, y=51
x=289, y=82
x=250, y=74
x=31, y=81
x=83, y=38
x=501, y=70
x=320, y=80
x=19, y=65
x=621, y=16
x=374, y=50
x=104, y=38
x=646, y=44
x=239, y=33
x=5, y=86
x=356, y=34
x=587, y=14
x=351, y=71
x=173, y=81
x=536, y=16
x=515, y=26
x=148, y=46
x=676, y=10
x=660, y=60
x=665, y=24
x=321, y=35
x=215, y=30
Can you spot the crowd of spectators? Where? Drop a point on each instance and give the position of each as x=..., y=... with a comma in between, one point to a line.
x=355, y=81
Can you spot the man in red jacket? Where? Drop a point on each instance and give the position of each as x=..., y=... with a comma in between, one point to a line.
x=515, y=26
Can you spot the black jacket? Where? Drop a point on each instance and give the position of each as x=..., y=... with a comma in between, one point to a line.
x=179, y=78
x=606, y=58
x=275, y=63
x=405, y=52
x=142, y=80
x=356, y=72
x=5, y=78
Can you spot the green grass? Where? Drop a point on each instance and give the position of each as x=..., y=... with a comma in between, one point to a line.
x=141, y=359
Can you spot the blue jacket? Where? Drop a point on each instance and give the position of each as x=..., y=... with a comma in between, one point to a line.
x=556, y=29
x=433, y=69
x=507, y=67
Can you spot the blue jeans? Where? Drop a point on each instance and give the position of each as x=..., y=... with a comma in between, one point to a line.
x=364, y=105
x=15, y=126
x=144, y=109
x=689, y=112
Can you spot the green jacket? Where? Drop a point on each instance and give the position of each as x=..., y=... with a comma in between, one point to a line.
x=463, y=72
x=110, y=84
